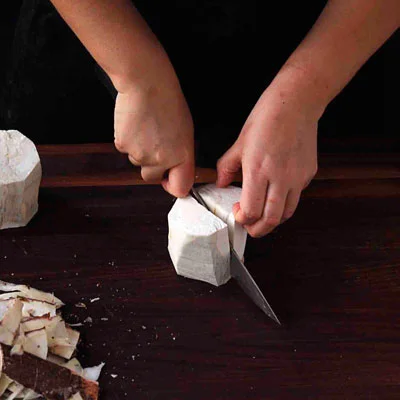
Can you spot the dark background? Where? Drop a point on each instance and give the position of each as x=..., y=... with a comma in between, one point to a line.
x=225, y=54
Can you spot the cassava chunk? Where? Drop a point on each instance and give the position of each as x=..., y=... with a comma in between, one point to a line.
x=220, y=201
x=10, y=318
x=20, y=175
x=30, y=293
x=198, y=242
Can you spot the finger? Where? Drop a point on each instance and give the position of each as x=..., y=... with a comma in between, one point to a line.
x=253, y=197
x=236, y=208
x=133, y=160
x=273, y=211
x=153, y=174
x=228, y=165
x=292, y=201
x=180, y=179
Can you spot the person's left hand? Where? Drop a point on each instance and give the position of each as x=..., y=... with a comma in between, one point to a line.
x=277, y=151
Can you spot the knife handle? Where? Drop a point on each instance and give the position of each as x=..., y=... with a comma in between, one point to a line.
x=203, y=175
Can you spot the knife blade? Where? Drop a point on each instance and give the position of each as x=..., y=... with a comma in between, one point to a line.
x=238, y=270
x=241, y=274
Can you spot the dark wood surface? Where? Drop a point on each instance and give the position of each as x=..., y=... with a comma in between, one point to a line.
x=332, y=274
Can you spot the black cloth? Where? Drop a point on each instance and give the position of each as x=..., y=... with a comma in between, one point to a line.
x=225, y=54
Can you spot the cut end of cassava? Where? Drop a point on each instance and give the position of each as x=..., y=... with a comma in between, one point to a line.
x=220, y=201
x=198, y=242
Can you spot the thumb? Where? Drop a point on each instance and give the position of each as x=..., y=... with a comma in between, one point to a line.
x=180, y=179
x=228, y=165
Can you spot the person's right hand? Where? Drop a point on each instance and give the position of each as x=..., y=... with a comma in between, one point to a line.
x=153, y=125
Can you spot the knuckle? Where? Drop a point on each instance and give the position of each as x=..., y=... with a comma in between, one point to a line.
x=138, y=155
x=251, y=214
x=288, y=214
x=273, y=200
x=272, y=221
x=150, y=176
x=255, y=232
x=119, y=145
x=257, y=171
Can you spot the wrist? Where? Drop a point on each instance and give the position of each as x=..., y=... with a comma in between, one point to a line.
x=299, y=87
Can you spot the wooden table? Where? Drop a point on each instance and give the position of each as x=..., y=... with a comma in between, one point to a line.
x=332, y=274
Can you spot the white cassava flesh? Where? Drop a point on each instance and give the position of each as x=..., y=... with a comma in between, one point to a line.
x=1, y=361
x=10, y=318
x=36, y=343
x=31, y=293
x=93, y=373
x=74, y=365
x=76, y=396
x=198, y=242
x=29, y=323
x=20, y=175
x=5, y=382
x=220, y=201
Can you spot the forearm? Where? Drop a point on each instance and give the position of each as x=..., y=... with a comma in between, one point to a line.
x=346, y=34
x=117, y=37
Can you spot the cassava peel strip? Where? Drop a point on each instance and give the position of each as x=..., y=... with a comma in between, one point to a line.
x=52, y=381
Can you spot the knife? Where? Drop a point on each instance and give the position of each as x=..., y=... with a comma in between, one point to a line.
x=238, y=270
x=241, y=274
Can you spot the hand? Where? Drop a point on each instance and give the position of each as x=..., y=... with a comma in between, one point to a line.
x=277, y=151
x=153, y=125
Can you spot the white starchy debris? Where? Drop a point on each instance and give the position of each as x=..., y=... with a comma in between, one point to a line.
x=15, y=389
x=95, y=299
x=55, y=359
x=5, y=382
x=31, y=324
x=10, y=318
x=198, y=242
x=30, y=293
x=34, y=323
x=80, y=305
x=29, y=394
x=37, y=308
x=57, y=334
x=36, y=343
x=114, y=376
x=220, y=201
x=93, y=373
x=67, y=348
x=20, y=176
x=76, y=396
x=88, y=320
x=76, y=325
x=18, y=347
x=74, y=365
x=31, y=307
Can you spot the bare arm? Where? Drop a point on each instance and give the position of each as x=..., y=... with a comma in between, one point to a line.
x=344, y=37
x=116, y=36
x=277, y=148
x=153, y=124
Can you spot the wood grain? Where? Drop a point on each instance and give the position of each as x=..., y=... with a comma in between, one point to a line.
x=332, y=273
x=102, y=165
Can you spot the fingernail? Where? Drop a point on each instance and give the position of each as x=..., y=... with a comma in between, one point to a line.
x=235, y=208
